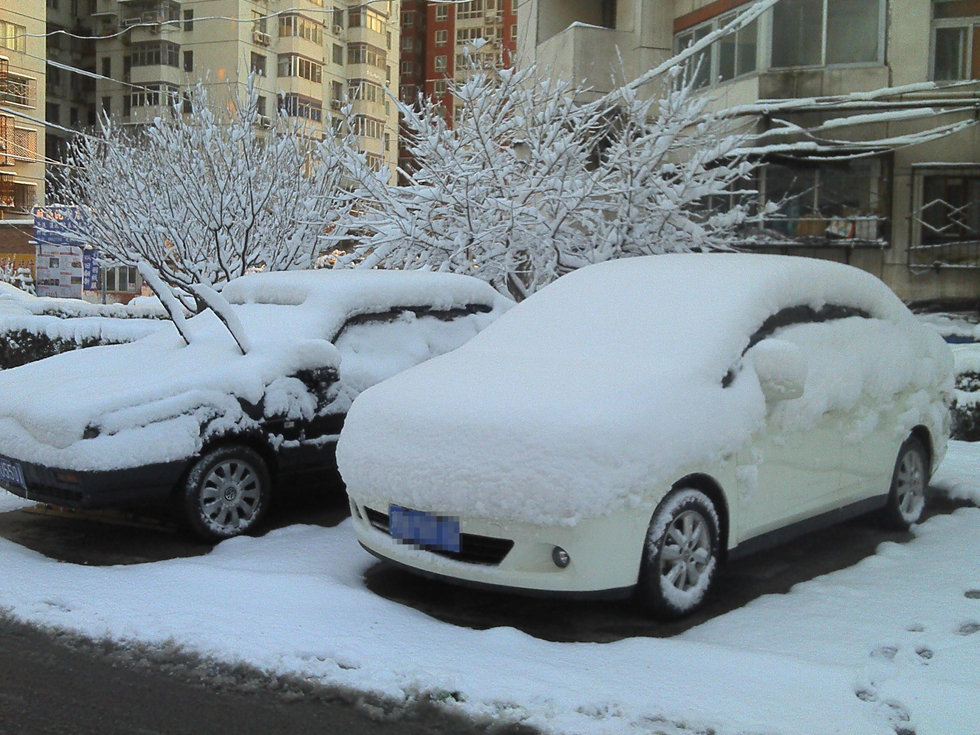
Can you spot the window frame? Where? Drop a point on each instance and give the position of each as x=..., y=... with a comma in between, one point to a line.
x=823, y=63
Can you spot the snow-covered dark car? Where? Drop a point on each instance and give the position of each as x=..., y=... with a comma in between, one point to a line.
x=636, y=422
x=211, y=429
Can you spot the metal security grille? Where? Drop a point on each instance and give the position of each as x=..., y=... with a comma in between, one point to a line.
x=947, y=222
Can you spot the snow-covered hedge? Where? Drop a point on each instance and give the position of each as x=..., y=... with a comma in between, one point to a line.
x=966, y=404
x=33, y=328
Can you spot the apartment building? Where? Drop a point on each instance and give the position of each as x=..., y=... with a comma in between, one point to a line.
x=894, y=188
x=22, y=82
x=308, y=56
x=69, y=96
x=442, y=41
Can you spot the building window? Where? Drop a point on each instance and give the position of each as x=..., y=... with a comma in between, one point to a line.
x=947, y=217
x=153, y=95
x=294, y=65
x=439, y=88
x=121, y=279
x=729, y=57
x=257, y=64
x=827, y=201
x=292, y=24
x=107, y=66
x=956, y=40
x=188, y=20
x=338, y=54
x=408, y=18
x=822, y=32
x=155, y=53
x=441, y=37
x=363, y=53
x=475, y=9
x=13, y=36
x=337, y=91
x=440, y=62
x=408, y=44
x=442, y=12
x=368, y=127
x=338, y=18
x=189, y=60
x=296, y=105
x=367, y=18
x=18, y=90
x=362, y=89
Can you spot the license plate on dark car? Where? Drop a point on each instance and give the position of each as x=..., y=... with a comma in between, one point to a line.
x=11, y=473
x=425, y=530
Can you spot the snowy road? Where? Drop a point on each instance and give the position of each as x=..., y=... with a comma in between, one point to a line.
x=887, y=646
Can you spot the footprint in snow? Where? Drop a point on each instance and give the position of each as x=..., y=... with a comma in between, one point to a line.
x=968, y=628
x=924, y=653
x=885, y=652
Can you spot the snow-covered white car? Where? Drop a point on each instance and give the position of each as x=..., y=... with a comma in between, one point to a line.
x=635, y=423
x=212, y=429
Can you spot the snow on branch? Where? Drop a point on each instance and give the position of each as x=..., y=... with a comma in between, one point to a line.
x=205, y=196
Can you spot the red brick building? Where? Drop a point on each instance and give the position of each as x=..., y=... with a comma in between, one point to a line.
x=436, y=37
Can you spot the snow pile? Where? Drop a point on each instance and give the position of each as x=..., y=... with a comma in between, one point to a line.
x=155, y=394
x=967, y=360
x=889, y=645
x=612, y=381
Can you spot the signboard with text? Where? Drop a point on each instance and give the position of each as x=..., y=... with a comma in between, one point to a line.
x=61, y=269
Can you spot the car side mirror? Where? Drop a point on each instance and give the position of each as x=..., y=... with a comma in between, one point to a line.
x=781, y=368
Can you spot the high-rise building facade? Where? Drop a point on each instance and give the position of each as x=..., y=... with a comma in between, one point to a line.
x=894, y=184
x=308, y=57
x=22, y=83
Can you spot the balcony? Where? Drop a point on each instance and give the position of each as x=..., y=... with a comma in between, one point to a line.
x=585, y=52
x=16, y=90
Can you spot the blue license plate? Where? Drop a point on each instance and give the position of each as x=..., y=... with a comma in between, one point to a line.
x=11, y=473
x=425, y=530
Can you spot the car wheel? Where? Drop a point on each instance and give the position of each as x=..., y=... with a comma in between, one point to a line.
x=680, y=555
x=226, y=492
x=907, y=495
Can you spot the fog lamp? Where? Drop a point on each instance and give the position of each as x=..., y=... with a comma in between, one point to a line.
x=560, y=557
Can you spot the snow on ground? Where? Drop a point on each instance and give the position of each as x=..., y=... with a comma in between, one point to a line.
x=888, y=645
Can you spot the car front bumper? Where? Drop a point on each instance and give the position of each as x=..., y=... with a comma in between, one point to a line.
x=604, y=553
x=91, y=489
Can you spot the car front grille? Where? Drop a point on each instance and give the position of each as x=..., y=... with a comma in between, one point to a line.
x=473, y=549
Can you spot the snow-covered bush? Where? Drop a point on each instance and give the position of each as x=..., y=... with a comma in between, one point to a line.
x=530, y=180
x=966, y=403
x=33, y=328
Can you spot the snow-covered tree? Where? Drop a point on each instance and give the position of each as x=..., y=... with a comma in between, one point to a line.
x=529, y=181
x=201, y=196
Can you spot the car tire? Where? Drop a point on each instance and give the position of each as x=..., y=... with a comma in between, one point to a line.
x=906, y=496
x=226, y=493
x=680, y=555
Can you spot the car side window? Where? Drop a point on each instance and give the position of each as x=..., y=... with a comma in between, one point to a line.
x=374, y=347
x=792, y=316
x=802, y=314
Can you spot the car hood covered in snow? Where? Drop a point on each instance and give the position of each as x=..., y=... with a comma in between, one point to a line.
x=598, y=388
x=132, y=404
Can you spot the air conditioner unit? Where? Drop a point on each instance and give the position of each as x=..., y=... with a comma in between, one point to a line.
x=335, y=104
x=265, y=121
x=262, y=39
x=337, y=30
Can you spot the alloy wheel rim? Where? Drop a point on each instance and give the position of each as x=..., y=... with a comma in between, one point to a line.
x=230, y=495
x=910, y=484
x=686, y=551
